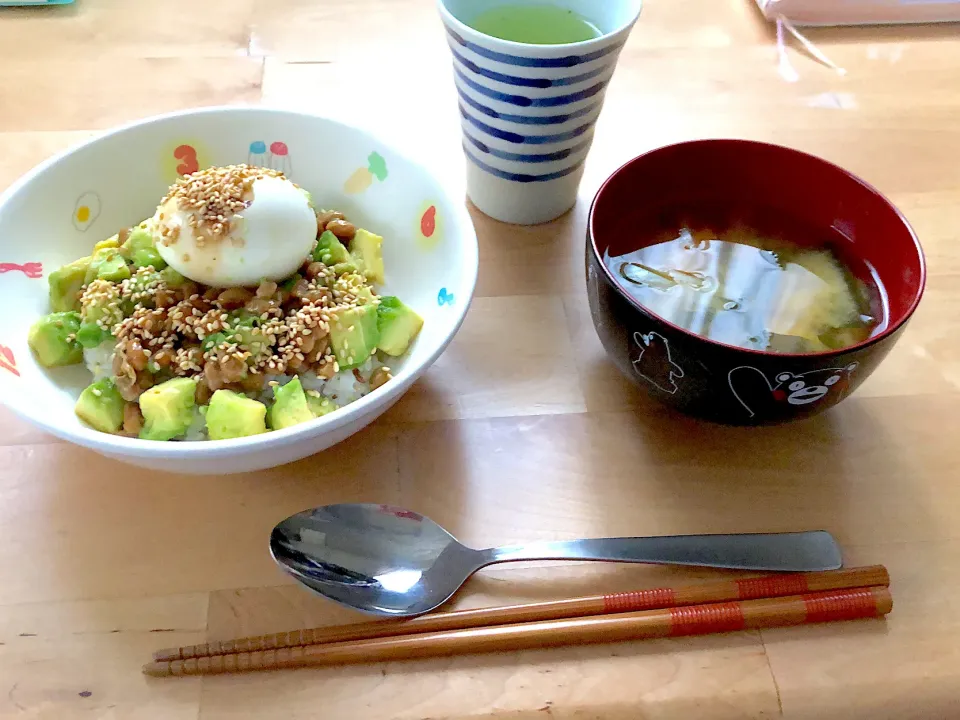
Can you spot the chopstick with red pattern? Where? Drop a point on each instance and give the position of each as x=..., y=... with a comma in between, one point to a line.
x=652, y=599
x=832, y=605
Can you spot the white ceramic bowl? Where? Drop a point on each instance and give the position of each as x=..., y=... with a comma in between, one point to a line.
x=57, y=212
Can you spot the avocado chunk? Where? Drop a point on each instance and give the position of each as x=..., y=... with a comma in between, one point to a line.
x=167, y=409
x=398, y=325
x=148, y=256
x=101, y=303
x=111, y=242
x=140, y=284
x=289, y=406
x=100, y=406
x=354, y=335
x=232, y=415
x=108, y=264
x=366, y=252
x=66, y=284
x=319, y=405
x=365, y=295
x=363, y=292
x=53, y=339
x=171, y=277
x=138, y=239
x=242, y=329
x=113, y=269
x=330, y=251
x=344, y=268
x=91, y=334
x=142, y=250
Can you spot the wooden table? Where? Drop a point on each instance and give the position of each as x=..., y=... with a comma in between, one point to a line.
x=522, y=430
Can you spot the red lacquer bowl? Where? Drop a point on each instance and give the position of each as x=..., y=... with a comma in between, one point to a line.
x=712, y=181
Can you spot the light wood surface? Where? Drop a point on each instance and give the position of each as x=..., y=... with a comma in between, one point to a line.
x=522, y=430
x=724, y=617
x=726, y=590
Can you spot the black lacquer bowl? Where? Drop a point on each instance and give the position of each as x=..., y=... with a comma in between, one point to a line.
x=720, y=382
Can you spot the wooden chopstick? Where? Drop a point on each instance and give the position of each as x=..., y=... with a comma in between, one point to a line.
x=664, y=597
x=832, y=605
x=652, y=599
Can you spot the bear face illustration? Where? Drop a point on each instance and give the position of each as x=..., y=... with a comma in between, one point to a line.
x=761, y=397
x=808, y=387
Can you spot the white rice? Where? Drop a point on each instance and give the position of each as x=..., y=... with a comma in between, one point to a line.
x=99, y=360
x=343, y=388
x=198, y=428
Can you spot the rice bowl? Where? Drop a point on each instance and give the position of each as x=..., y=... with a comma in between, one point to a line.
x=431, y=256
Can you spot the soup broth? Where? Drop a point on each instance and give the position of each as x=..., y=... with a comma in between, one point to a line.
x=752, y=290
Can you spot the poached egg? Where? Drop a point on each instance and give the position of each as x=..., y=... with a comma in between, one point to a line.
x=234, y=225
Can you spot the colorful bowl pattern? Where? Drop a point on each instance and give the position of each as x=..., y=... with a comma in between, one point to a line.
x=59, y=210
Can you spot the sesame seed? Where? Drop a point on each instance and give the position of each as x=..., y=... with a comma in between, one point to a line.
x=216, y=195
x=278, y=336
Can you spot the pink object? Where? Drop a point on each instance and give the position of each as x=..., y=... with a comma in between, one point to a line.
x=860, y=12
x=278, y=148
x=30, y=269
x=7, y=361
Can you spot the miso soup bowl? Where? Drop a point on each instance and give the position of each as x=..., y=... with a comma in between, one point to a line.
x=720, y=382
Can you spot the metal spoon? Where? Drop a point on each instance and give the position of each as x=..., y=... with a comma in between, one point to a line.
x=388, y=561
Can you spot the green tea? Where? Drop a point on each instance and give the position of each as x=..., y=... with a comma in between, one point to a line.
x=535, y=24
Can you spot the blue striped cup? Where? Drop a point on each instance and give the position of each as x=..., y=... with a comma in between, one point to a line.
x=528, y=111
